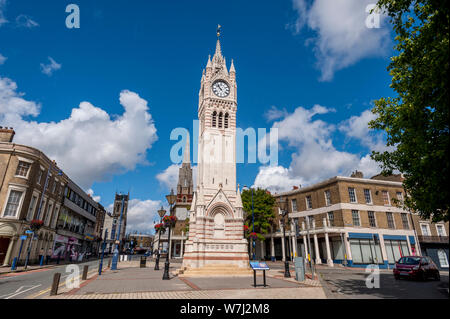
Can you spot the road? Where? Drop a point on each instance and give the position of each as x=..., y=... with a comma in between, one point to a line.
x=340, y=283
x=26, y=284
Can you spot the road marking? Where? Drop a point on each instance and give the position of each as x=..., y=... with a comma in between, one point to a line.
x=60, y=285
x=19, y=291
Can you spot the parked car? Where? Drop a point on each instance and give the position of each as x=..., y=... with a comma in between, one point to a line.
x=416, y=267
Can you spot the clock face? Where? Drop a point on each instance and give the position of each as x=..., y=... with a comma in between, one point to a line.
x=221, y=89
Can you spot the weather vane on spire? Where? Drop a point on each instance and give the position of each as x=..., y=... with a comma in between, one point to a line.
x=219, y=27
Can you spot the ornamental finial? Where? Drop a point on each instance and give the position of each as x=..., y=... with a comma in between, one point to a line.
x=219, y=27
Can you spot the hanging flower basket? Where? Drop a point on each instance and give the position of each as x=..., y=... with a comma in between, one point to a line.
x=35, y=225
x=253, y=235
x=245, y=228
x=160, y=227
x=169, y=221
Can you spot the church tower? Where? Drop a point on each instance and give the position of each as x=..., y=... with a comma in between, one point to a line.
x=216, y=237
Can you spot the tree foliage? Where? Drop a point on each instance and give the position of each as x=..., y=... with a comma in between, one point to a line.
x=263, y=203
x=417, y=120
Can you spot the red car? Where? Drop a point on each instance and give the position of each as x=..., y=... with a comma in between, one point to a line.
x=416, y=267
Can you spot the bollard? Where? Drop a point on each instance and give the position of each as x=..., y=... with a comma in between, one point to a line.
x=109, y=263
x=55, y=284
x=143, y=262
x=85, y=272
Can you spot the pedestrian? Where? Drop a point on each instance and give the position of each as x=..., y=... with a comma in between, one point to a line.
x=41, y=254
x=49, y=255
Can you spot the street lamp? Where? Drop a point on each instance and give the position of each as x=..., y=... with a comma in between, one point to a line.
x=171, y=198
x=253, y=227
x=161, y=214
x=284, y=212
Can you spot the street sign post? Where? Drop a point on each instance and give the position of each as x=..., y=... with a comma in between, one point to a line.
x=259, y=265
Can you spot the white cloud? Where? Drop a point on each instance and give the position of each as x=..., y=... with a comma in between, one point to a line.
x=90, y=191
x=89, y=146
x=341, y=36
x=50, y=67
x=26, y=21
x=142, y=214
x=276, y=179
x=314, y=158
x=2, y=14
x=169, y=177
x=357, y=128
x=274, y=113
x=2, y=59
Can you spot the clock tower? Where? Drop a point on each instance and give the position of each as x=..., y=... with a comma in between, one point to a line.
x=216, y=243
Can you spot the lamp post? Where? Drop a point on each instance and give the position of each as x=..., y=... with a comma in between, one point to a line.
x=253, y=226
x=171, y=198
x=103, y=253
x=284, y=212
x=161, y=214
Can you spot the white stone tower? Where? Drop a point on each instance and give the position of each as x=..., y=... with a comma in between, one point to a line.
x=216, y=242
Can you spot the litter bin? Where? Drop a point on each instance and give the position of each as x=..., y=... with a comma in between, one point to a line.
x=143, y=261
x=299, y=265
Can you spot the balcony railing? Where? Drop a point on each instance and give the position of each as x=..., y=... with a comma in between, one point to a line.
x=433, y=239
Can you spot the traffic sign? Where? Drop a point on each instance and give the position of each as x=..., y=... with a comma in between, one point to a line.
x=28, y=232
x=23, y=237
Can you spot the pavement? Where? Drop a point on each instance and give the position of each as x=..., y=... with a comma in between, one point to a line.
x=132, y=282
x=350, y=283
x=37, y=281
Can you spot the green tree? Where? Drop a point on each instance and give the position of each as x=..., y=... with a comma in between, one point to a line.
x=417, y=120
x=263, y=203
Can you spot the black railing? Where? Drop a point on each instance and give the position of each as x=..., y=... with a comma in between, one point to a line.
x=433, y=239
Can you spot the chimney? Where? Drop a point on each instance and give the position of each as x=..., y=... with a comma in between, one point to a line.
x=6, y=134
x=357, y=174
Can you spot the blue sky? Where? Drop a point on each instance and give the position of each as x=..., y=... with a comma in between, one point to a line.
x=309, y=68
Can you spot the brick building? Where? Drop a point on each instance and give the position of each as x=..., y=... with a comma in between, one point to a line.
x=354, y=220
x=35, y=188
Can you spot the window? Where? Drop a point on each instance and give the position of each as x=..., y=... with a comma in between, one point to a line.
x=400, y=196
x=13, y=203
x=352, y=195
x=372, y=220
x=390, y=220
x=311, y=221
x=55, y=217
x=54, y=187
x=226, y=120
x=443, y=260
x=308, y=202
x=214, y=119
x=405, y=220
x=220, y=119
x=31, y=207
x=327, y=198
x=365, y=251
x=395, y=249
x=425, y=229
x=49, y=214
x=367, y=196
x=441, y=230
x=386, y=200
x=294, y=205
x=331, y=218
x=355, y=217
x=22, y=169
x=39, y=176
